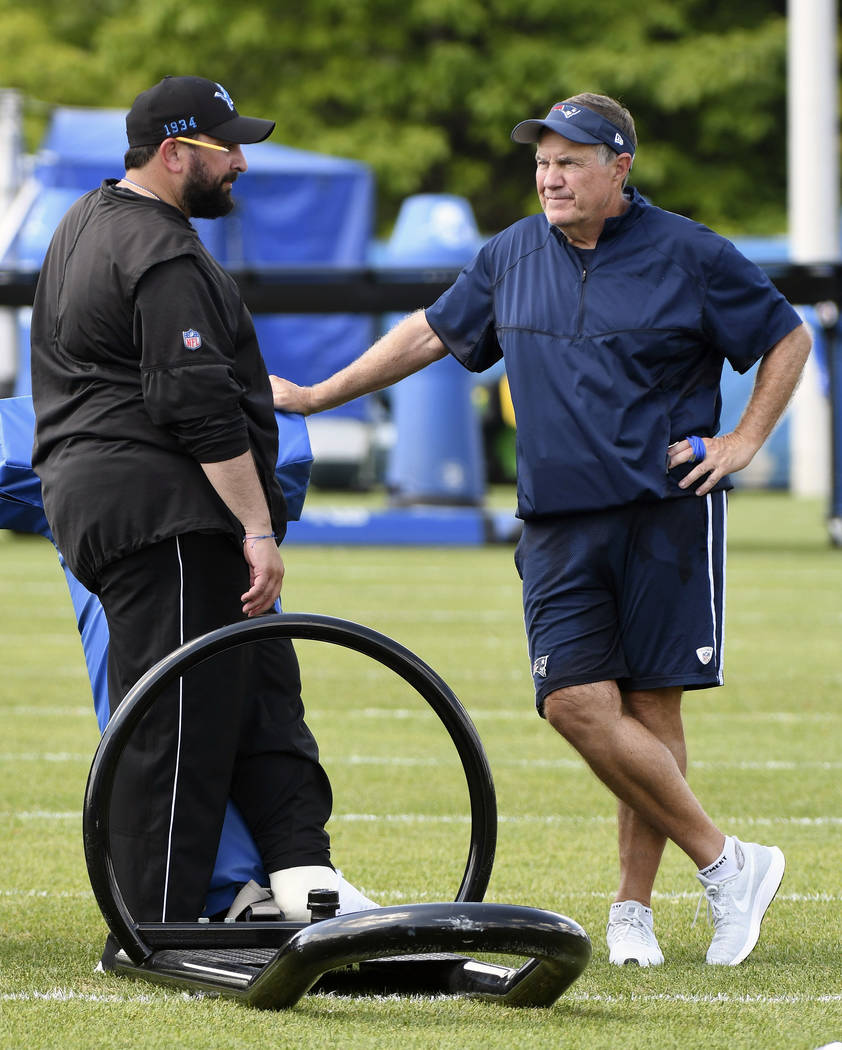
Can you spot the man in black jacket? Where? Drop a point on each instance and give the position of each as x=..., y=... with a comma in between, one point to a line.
x=156, y=446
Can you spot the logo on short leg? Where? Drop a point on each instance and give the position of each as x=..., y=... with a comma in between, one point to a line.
x=539, y=667
x=705, y=653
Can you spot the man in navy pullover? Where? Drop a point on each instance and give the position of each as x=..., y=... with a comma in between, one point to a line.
x=614, y=319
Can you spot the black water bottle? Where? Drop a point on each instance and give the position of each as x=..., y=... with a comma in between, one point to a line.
x=323, y=904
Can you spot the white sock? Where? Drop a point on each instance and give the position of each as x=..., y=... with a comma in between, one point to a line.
x=291, y=886
x=617, y=905
x=726, y=864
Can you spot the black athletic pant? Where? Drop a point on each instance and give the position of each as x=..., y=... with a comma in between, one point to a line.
x=231, y=727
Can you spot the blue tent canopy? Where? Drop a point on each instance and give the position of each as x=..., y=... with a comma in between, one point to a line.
x=294, y=208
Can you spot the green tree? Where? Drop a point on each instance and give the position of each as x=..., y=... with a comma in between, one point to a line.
x=426, y=91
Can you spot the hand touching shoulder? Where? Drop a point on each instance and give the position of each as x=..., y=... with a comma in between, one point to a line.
x=288, y=397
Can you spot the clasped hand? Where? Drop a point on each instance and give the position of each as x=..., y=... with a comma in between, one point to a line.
x=723, y=455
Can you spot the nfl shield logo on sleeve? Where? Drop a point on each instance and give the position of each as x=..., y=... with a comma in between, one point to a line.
x=192, y=339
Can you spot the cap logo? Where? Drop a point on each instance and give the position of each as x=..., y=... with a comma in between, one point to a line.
x=580, y=124
x=223, y=94
x=191, y=339
x=567, y=110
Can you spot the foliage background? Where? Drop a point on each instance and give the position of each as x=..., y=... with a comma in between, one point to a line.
x=764, y=758
x=426, y=91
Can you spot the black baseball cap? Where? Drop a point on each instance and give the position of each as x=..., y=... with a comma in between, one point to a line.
x=187, y=106
x=577, y=123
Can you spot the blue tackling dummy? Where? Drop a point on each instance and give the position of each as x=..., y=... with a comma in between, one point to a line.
x=21, y=510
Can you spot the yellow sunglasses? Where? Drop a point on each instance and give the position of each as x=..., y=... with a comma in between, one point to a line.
x=198, y=142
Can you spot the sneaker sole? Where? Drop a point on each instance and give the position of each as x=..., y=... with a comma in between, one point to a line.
x=765, y=895
x=633, y=960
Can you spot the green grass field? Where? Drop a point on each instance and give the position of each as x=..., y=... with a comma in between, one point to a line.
x=765, y=758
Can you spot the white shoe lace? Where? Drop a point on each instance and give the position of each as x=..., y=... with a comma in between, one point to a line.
x=632, y=939
x=633, y=925
x=715, y=908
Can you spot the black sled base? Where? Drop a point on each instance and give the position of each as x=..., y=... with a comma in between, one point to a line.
x=409, y=949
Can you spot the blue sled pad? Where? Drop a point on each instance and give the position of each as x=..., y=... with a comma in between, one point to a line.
x=421, y=526
x=405, y=527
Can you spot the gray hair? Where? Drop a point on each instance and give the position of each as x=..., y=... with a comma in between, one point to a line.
x=609, y=108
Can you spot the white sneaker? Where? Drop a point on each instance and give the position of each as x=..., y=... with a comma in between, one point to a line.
x=351, y=899
x=631, y=936
x=738, y=904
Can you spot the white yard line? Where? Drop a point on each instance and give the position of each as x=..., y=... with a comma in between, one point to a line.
x=523, y=712
x=44, y=756
x=527, y=713
x=24, y=711
x=575, y=764
x=63, y=995
x=384, y=896
x=719, y=999
x=455, y=818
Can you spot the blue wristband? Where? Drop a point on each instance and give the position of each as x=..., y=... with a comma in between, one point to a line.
x=251, y=538
x=698, y=447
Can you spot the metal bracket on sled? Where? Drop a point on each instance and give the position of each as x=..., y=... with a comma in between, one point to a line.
x=404, y=948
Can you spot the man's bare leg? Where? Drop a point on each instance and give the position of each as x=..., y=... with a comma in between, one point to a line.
x=641, y=846
x=635, y=765
x=642, y=772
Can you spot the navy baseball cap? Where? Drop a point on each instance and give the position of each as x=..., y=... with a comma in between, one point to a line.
x=576, y=123
x=187, y=106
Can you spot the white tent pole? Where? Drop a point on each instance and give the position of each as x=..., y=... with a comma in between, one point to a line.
x=10, y=174
x=813, y=206
x=813, y=164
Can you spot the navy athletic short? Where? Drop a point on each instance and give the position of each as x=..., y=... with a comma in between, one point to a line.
x=633, y=594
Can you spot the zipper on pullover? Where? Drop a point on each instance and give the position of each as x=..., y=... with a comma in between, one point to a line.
x=580, y=316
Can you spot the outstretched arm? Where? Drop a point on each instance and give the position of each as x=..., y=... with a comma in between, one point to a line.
x=776, y=380
x=408, y=347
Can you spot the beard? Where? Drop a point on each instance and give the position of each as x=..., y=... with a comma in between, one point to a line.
x=204, y=197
